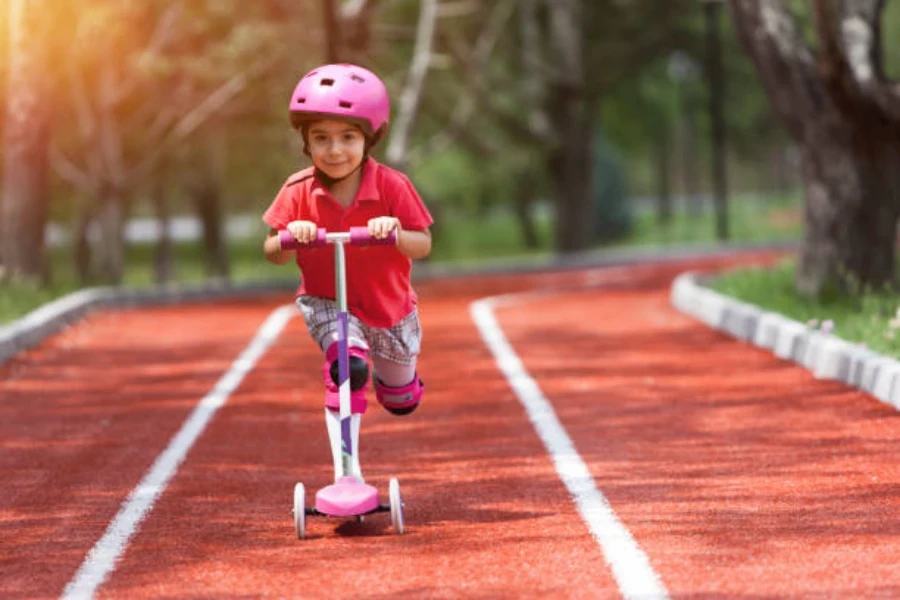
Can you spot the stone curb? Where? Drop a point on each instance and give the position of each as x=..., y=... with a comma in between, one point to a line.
x=51, y=318
x=825, y=355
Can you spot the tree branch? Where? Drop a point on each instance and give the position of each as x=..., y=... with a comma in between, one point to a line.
x=474, y=65
x=859, y=46
x=786, y=66
x=67, y=171
x=203, y=112
x=409, y=98
x=534, y=79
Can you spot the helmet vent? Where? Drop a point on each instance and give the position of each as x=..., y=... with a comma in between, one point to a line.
x=301, y=100
x=345, y=104
x=328, y=82
x=357, y=78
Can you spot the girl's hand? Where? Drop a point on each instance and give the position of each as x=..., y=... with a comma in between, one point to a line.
x=303, y=231
x=381, y=227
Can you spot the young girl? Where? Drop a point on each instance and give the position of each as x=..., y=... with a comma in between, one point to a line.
x=341, y=111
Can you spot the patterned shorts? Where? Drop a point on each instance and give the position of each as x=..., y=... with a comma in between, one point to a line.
x=400, y=343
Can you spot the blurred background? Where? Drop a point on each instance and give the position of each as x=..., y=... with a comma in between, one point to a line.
x=143, y=139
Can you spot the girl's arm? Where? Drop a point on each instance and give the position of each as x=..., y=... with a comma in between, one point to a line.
x=414, y=243
x=273, y=251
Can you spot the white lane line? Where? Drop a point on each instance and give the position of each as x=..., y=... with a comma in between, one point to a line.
x=100, y=561
x=630, y=566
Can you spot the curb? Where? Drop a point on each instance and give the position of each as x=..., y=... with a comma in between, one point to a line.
x=51, y=318
x=825, y=355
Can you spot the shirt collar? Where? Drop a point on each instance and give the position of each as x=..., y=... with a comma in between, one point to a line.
x=368, y=188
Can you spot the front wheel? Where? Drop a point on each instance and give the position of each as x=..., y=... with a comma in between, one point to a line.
x=396, y=505
x=300, y=511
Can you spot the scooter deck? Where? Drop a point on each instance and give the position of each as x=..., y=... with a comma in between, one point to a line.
x=314, y=512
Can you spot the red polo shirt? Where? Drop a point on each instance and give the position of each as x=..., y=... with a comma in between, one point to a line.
x=379, y=291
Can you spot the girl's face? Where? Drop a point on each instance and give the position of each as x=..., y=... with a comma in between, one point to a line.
x=336, y=147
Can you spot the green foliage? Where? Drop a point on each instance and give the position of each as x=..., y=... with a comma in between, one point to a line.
x=451, y=179
x=803, y=17
x=644, y=113
x=890, y=37
x=465, y=183
x=866, y=316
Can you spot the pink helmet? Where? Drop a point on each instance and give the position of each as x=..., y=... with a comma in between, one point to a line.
x=342, y=91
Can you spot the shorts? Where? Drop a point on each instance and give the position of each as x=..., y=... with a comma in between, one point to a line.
x=400, y=344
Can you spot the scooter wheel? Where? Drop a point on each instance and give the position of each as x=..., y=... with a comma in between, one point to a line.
x=396, y=505
x=300, y=510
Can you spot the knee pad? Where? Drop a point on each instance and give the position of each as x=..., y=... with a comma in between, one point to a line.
x=359, y=379
x=400, y=400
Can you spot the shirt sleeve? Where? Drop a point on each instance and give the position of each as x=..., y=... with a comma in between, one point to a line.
x=283, y=209
x=408, y=206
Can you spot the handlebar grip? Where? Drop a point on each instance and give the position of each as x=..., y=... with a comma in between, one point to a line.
x=359, y=236
x=289, y=242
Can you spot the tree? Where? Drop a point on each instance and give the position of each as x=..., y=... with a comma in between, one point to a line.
x=176, y=66
x=844, y=114
x=541, y=88
x=23, y=207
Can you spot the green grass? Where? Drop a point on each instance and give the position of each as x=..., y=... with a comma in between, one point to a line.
x=459, y=238
x=751, y=219
x=868, y=317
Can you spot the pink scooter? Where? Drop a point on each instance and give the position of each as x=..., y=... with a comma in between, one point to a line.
x=348, y=496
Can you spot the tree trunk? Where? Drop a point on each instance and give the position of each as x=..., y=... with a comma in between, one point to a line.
x=846, y=124
x=109, y=253
x=81, y=246
x=663, y=182
x=332, y=31
x=572, y=113
x=164, y=268
x=524, y=201
x=208, y=202
x=570, y=169
x=206, y=190
x=852, y=180
x=689, y=169
x=26, y=145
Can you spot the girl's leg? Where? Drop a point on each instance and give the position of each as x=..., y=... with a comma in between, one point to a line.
x=394, y=353
x=320, y=316
x=392, y=373
x=397, y=386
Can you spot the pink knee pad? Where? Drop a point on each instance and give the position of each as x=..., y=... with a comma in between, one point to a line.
x=359, y=378
x=400, y=400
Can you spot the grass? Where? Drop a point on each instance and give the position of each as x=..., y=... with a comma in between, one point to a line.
x=752, y=218
x=870, y=317
x=459, y=238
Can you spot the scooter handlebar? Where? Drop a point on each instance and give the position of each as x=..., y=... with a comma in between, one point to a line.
x=357, y=236
x=289, y=242
x=360, y=236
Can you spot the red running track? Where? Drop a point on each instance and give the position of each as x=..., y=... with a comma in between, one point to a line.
x=736, y=474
